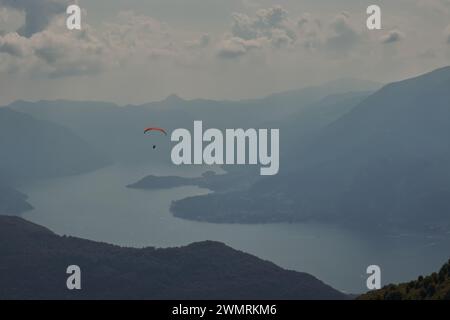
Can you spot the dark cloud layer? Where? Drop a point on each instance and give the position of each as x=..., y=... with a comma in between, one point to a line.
x=392, y=37
x=38, y=13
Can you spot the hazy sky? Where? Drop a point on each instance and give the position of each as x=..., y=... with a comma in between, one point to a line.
x=134, y=51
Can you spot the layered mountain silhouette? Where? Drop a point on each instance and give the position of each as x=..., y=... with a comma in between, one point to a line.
x=33, y=149
x=34, y=262
x=54, y=138
x=385, y=161
x=347, y=155
x=117, y=131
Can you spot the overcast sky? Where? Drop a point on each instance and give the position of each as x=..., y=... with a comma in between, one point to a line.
x=135, y=51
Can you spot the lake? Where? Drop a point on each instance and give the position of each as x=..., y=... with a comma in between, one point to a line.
x=98, y=206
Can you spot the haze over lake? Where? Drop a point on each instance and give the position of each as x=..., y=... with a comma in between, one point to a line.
x=98, y=206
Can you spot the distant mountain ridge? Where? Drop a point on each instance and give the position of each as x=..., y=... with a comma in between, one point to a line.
x=33, y=261
x=34, y=149
x=386, y=161
x=117, y=130
x=106, y=132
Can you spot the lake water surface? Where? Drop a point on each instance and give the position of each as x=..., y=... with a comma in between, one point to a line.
x=98, y=206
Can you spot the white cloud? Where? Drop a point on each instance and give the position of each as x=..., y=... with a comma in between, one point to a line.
x=55, y=51
x=270, y=27
x=268, y=47
x=58, y=52
x=236, y=47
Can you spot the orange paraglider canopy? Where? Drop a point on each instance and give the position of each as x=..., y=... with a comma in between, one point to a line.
x=155, y=129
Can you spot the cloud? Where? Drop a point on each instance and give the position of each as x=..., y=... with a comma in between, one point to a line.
x=202, y=42
x=130, y=39
x=342, y=35
x=307, y=20
x=56, y=52
x=10, y=20
x=263, y=24
x=392, y=37
x=273, y=29
x=13, y=44
x=71, y=54
x=269, y=27
x=235, y=47
x=136, y=35
x=243, y=27
x=336, y=36
x=38, y=13
x=310, y=30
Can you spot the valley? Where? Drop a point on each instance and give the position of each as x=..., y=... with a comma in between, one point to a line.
x=336, y=197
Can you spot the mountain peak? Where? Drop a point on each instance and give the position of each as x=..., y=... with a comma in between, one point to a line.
x=173, y=98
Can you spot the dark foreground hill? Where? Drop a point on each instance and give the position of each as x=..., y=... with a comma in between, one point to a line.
x=435, y=287
x=33, y=262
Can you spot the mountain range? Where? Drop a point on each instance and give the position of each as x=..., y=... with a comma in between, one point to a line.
x=117, y=131
x=47, y=139
x=351, y=152
x=34, y=261
x=385, y=161
x=35, y=149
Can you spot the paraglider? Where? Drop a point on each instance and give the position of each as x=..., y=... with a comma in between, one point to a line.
x=151, y=129
x=155, y=129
